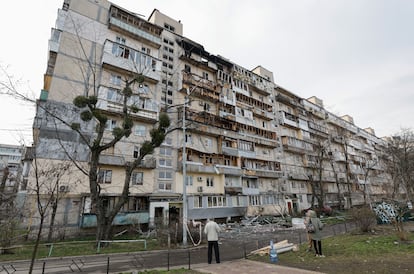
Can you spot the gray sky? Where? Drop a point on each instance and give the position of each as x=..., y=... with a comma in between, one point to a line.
x=355, y=55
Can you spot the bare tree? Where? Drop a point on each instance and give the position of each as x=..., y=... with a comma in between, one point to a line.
x=400, y=162
x=9, y=216
x=47, y=178
x=316, y=176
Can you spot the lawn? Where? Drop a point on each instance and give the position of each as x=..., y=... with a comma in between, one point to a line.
x=379, y=251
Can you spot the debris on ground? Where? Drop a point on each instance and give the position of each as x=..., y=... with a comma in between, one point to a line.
x=280, y=247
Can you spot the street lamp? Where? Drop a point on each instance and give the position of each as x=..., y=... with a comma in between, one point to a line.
x=185, y=173
x=186, y=99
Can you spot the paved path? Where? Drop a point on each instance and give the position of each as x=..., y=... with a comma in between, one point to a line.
x=245, y=266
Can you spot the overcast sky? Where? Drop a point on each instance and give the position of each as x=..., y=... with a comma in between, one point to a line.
x=355, y=55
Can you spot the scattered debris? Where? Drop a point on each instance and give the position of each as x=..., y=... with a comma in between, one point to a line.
x=280, y=247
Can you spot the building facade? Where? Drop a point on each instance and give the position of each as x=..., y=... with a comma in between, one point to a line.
x=241, y=144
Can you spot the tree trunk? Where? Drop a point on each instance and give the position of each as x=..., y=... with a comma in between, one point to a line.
x=52, y=220
x=36, y=246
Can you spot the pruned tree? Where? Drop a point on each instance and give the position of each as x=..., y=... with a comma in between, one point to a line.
x=90, y=126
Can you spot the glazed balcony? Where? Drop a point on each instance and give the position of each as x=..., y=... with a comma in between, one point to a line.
x=111, y=100
x=120, y=57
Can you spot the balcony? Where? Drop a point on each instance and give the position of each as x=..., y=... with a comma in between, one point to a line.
x=199, y=81
x=110, y=99
x=127, y=59
x=338, y=156
x=317, y=129
x=89, y=220
x=356, y=169
x=288, y=119
x=250, y=191
x=128, y=23
x=119, y=160
x=296, y=145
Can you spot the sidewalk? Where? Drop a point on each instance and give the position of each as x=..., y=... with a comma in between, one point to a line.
x=245, y=266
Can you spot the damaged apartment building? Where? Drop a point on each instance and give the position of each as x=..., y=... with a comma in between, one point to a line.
x=245, y=145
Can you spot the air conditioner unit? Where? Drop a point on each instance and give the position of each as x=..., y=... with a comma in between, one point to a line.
x=200, y=189
x=63, y=188
x=199, y=179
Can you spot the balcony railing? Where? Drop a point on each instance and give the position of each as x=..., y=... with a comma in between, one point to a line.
x=291, y=143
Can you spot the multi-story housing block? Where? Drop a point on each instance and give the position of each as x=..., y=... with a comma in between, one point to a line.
x=239, y=143
x=10, y=164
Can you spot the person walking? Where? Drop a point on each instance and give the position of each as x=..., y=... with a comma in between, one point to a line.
x=211, y=230
x=316, y=235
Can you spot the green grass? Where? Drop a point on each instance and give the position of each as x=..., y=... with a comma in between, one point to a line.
x=76, y=248
x=354, y=253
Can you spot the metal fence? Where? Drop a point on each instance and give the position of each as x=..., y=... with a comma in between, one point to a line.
x=233, y=246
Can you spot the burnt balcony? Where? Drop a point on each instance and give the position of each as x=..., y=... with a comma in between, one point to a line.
x=196, y=80
x=132, y=25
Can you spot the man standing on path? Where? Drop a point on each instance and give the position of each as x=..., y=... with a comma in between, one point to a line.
x=211, y=230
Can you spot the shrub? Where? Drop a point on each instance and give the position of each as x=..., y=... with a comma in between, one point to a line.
x=363, y=217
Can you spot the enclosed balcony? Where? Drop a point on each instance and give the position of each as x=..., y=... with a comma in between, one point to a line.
x=120, y=57
x=110, y=99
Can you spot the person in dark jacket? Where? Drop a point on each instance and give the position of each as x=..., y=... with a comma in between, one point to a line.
x=316, y=236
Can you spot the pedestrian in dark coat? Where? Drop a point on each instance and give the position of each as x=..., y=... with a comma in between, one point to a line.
x=316, y=236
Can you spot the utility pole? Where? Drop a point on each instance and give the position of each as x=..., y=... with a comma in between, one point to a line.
x=184, y=173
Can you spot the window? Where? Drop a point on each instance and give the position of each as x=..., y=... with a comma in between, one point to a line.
x=210, y=181
x=140, y=130
x=169, y=27
x=216, y=201
x=208, y=142
x=164, y=186
x=137, y=204
x=189, y=180
x=137, y=178
x=205, y=75
x=146, y=50
x=116, y=79
x=165, y=151
x=187, y=68
x=188, y=139
x=113, y=95
x=167, y=141
x=198, y=202
x=163, y=174
x=120, y=40
x=165, y=162
x=110, y=124
x=136, y=152
x=104, y=176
